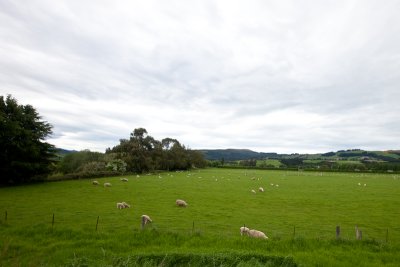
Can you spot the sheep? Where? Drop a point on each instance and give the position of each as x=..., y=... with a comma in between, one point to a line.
x=252, y=233
x=244, y=230
x=365, y=184
x=256, y=234
x=277, y=185
x=261, y=189
x=95, y=183
x=126, y=205
x=123, y=205
x=181, y=203
x=145, y=220
x=253, y=191
x=359, y=183
x=124, y=179
x=107, y=184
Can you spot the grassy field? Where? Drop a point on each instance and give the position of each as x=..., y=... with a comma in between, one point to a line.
x=299, y=216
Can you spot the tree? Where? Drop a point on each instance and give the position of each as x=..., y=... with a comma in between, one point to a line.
x=143, y=153
x=24, y=156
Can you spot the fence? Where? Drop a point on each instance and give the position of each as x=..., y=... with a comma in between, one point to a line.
x=105, y=224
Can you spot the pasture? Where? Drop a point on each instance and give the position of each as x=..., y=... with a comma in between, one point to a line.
x=299, y=216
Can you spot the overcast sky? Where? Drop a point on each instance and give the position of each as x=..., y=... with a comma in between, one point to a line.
x=271, y=76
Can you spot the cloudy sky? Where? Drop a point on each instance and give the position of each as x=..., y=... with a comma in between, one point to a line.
x=271, y=76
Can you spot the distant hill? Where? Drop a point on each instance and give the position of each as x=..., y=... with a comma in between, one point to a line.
x=235, y=154
x=62, y=152
x=350, y=154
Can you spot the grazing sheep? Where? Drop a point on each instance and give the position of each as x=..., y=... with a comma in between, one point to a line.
x=252, y=233
x=256, y=234
x=244, y=230
x=253, y=191
x=261, y=189
x=107, y=184
x=124, y=179
x=365, y=184
x=145, y=220
x=359, y=183
x=126, y=205
x=123, y=205
x=277, y=185
x=272, y=184
x=95, y=183
x=181, y=203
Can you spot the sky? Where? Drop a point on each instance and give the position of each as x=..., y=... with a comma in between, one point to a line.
x=270, y=76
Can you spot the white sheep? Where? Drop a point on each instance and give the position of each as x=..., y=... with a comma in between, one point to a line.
x=126, y=205
x=107, y=184
x=181, y=203
x=95, y=183
x=359, y=183
x=124, y=179
x=253, y=191
x=256, y=234
x=145, y=220
x=244, y=230
x=120, y=205
x=261, y=189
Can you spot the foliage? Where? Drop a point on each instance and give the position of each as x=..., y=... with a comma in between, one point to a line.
x=75, y=161
x=143, y=153
x=117, y=165
x=24, y=155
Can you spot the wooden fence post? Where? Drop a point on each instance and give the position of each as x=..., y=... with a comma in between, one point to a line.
x=337, y=232
x=387, y=235
x=97, y=223
x=52, y=223
x=358, y=233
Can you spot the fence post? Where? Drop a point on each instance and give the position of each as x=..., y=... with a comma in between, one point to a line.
x=358, y=233
x=52, y=223
x=97, y=222
x=143, y=219
x=337, y=232
x=387, y=235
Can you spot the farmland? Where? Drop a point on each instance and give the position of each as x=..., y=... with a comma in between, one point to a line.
x=299, y=216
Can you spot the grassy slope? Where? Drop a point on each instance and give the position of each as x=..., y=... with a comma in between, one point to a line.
x=219, y=203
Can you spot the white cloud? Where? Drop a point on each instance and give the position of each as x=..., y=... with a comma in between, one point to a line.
x=292, y=76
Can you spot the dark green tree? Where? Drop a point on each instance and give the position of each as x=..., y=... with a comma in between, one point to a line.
x=24, y=155
x=143, y=153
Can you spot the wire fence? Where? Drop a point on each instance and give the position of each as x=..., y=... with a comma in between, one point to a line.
x=99, y=223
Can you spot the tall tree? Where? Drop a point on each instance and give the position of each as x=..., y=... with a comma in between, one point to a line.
x=24, y=156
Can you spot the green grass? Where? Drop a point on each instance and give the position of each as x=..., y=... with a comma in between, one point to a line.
x=299, y=217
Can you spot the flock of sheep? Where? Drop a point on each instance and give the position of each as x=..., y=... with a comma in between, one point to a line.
x=123, y=205
x=145, y=219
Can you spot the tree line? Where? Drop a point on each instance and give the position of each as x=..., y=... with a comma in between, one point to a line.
x=26, y=157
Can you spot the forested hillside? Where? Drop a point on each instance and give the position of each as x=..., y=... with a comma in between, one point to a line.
x=342, y=160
